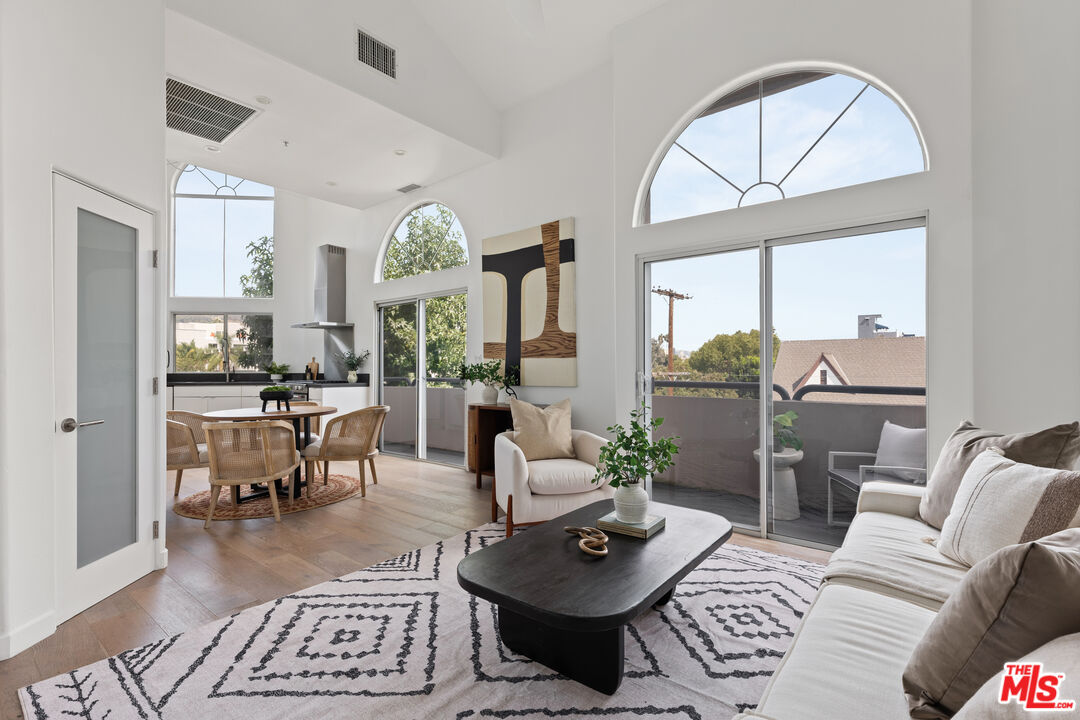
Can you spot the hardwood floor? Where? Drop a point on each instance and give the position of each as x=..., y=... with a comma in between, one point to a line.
x=236, y=564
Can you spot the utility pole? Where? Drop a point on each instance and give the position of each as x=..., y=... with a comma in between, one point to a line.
x=671, y=296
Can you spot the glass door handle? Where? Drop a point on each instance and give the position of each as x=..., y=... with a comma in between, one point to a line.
x=71, y=424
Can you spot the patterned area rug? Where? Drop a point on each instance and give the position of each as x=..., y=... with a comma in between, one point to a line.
x=401, y=639
x=337, y=488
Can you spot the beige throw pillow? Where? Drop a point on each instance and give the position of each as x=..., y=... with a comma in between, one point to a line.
x=1011, y=603
x=1056, y=447
x=543, y=433
x=1002, y=502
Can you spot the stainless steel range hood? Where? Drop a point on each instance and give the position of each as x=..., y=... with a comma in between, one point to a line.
x=329, y=290
x=330, y=309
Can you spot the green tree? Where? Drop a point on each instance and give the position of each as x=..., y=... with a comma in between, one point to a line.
x=191, y=358
x=429, y=243
x=735, y=356
x=257, y=332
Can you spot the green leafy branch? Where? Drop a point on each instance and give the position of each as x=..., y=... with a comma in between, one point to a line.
x=632, y=456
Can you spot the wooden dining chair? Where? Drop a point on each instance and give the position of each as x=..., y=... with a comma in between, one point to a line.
x=316, y=422
x=246, y=453
x=185, y=443
x=353, y=436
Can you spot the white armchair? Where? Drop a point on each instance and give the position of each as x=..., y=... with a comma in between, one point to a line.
x=537, y=491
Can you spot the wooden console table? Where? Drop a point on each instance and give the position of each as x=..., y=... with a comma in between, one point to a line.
x=485, y=422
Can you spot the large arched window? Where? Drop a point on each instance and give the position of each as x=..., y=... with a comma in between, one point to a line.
x=224, y=236
x=782, y=136
x=428, y=239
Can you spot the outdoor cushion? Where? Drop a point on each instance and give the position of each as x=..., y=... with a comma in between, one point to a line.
x=847, y=657
x=1002, y=502
x=1017, y=599
x=1056, y=447
x=901, y=446
x=561, y=476
x=542, y=433
x=895, y=554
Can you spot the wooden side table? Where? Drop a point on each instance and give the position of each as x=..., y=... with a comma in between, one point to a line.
x=485, y=422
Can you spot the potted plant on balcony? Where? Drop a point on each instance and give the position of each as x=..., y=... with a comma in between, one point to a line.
x=353, y=361
x=489, y=374
x=277, y=370
x=630, y=458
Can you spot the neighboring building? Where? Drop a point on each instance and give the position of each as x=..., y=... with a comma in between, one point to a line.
x=881, y=360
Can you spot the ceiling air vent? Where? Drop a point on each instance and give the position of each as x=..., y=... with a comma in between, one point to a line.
x=377, y=54
x=408, y=188
x=200, y=113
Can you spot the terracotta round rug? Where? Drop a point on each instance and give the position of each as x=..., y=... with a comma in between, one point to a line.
x=339, y=487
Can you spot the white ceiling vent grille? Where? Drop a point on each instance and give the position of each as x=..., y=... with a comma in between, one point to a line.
x=408, y=188
x=200, y=113
x=376, y=54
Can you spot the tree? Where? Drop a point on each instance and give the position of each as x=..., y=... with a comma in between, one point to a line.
x=192, y=358
x=425, y=242
x=257, y=332
x=734, y=355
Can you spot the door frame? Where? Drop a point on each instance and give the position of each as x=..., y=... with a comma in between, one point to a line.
x=150, y=439
x=764, y=244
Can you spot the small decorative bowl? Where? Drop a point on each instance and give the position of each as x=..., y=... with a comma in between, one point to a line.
x=276, y=395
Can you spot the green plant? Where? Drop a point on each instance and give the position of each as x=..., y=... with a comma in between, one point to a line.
x=352, y=360
x=784, y=433
x=487, y=373
x=276, y=368
x=632, y=456
x=276, y=388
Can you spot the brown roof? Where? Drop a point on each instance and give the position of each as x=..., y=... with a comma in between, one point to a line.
x=869, y=361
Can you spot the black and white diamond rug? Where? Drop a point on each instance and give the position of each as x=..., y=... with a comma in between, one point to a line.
x=401, y=639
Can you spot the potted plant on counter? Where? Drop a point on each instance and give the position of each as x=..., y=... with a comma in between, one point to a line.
x=489, y=374
x=630, y=458
x=277, y=370
x=353, y=361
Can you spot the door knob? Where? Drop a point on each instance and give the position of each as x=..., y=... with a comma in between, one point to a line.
x=71, y=424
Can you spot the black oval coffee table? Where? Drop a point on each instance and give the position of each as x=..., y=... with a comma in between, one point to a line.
x=566, y=609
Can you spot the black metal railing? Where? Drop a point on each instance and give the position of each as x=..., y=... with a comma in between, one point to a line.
x=799, y=394
x=718, y=385
x=402, y=381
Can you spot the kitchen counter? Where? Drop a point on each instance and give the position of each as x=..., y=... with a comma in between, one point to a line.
x=261, y=380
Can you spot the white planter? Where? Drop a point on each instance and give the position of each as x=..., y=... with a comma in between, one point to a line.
x=490, y=394
x=631, y=503
x=276, y=377
x=785, y=493
x=351, y=377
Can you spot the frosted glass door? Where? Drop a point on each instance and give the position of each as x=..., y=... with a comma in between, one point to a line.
x=107, y=301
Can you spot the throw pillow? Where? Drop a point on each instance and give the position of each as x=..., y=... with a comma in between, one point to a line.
x=1057, y=656
x=1011, y=603
x=543, y=433
x=1002, y=502
x=1056, y=447
x=900, y=446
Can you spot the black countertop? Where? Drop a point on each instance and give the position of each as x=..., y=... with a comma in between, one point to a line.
x=261, y=379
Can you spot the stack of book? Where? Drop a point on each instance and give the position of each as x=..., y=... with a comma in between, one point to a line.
x=652, y=525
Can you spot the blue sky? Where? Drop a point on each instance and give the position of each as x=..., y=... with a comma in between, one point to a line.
x=209, y=230
x=819, y=288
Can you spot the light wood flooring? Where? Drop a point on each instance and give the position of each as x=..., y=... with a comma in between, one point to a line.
x=237, y=564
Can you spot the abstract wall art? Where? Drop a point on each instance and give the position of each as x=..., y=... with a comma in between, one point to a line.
x=529, y=308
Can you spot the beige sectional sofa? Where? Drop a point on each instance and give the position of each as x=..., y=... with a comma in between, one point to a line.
x=882, y=589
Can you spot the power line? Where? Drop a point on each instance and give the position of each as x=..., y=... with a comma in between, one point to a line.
x=671, y=296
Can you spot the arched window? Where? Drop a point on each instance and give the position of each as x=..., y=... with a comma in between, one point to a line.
x=428, y=239
x=782, y=136
x=224, y=236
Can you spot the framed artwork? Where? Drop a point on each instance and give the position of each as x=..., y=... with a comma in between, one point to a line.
x=529, y=308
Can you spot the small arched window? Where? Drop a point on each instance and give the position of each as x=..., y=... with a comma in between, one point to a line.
x=428, y=239
x=782, y=136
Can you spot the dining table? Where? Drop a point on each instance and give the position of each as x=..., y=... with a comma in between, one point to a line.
x=300, y=417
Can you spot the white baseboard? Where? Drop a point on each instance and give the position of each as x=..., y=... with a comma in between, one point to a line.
x=27, y=634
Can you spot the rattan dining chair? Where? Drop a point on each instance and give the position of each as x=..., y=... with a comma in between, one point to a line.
x=353, y=436
x=316, y=422
x=185, y=443
x=246, y=453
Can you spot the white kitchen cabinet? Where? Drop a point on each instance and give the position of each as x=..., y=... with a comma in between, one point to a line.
x=189, y=404
x=227, y=402
x=346, y=398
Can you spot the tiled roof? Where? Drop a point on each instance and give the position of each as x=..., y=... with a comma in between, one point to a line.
x=870, y=361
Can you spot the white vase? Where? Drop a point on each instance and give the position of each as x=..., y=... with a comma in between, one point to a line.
x=631, y=503
x=351, y=377
x=275, y=377
x=490, y=395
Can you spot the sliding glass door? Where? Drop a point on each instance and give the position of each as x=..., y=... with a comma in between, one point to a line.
x=422, y=346
x=846, y=359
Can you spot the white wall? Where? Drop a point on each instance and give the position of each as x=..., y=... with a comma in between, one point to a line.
x=556, y=163
x=670, y=62
x=1026, y=102
x=80, y=90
